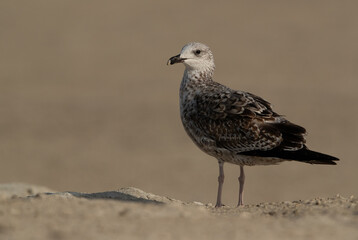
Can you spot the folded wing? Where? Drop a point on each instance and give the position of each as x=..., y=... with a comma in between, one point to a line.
x=246, y=124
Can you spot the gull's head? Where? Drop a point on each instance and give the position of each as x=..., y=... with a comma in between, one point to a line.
x=195, y=56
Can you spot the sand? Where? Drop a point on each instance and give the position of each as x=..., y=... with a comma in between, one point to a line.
x=33, y=212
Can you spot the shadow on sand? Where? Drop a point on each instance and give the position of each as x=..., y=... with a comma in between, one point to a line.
x=112, y=195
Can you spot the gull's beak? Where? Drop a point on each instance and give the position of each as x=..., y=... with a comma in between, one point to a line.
x=175, y=59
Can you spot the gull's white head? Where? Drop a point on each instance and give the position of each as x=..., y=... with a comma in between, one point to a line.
x=195, y=56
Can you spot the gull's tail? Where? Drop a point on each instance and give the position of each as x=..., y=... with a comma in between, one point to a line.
x=308, y=156
x=301, y=155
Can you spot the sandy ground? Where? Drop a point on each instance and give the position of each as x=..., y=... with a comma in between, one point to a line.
x=130, y=213
x=87, y=104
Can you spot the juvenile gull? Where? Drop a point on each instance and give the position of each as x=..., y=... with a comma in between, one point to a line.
x=235, y=126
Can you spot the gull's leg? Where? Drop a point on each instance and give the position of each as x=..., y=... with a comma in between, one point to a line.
x=221, y=182
x=241, y=185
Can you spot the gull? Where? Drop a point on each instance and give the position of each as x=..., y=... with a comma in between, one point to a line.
x=235, y=126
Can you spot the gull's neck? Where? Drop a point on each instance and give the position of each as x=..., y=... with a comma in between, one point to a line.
x=192, y=81
x=195, y=75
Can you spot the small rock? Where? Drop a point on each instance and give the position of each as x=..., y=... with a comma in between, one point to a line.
x=198, y=203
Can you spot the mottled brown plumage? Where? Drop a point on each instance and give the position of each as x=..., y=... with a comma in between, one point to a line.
x=235, y=126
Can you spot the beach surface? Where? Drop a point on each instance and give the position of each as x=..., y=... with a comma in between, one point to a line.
x=34, y=212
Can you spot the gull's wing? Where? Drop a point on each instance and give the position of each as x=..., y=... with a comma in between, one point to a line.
x=241, y=122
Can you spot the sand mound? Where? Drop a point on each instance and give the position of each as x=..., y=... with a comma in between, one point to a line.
x=33, y=212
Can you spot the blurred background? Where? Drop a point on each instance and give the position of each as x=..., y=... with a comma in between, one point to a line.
x=88, y=104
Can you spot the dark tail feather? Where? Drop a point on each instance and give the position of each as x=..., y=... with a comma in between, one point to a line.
x=308, y=156
x=302, y=155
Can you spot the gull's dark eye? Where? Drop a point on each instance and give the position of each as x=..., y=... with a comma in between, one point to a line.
x=197, y=52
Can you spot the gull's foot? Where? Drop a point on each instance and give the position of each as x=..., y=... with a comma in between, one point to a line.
x=240, y=203
x=218, y=205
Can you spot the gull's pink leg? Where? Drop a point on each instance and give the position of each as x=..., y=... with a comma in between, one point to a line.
x=221, y=182
x=241, y=185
